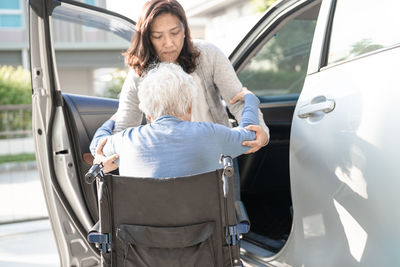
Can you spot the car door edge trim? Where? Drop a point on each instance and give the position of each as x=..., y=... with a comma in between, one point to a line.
x=327, y=38
x=96, y=8
x=56, y=187
x=43, y=7
x=244, y=55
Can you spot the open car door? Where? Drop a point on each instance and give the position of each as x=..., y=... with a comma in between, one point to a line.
x=63, y=124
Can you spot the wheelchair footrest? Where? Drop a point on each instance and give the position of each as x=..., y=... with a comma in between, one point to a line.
x=102, y=241
x=233, y=233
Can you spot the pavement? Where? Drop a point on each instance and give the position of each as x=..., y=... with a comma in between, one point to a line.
x=28, y=244
x=12, y=146
x=21, y=195
x=26, y=238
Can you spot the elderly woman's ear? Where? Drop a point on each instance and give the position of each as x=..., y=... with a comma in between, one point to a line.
x=240, y=95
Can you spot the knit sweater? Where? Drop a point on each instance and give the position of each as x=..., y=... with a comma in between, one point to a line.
x=218, y=80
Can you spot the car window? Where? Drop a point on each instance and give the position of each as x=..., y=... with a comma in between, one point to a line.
x=359, y=27
x=88, y=51
x=280, y=66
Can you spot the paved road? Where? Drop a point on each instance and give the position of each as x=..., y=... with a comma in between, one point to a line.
x=27, y=244
x=21, y=195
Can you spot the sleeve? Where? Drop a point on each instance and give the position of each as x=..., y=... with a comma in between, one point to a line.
x=250, y=111
x=230, y=139
x=104, y=131
x=228, y=83
x=129, y=114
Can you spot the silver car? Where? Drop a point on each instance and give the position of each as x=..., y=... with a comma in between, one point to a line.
x=322, y=193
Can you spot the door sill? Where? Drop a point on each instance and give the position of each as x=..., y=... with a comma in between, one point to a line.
x=253, y=255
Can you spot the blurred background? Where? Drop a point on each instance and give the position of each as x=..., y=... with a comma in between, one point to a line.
x=89, y=62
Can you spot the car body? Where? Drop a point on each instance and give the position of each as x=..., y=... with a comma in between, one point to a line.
x=322, y=193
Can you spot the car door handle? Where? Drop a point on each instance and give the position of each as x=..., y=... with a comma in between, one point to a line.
x=308, y=110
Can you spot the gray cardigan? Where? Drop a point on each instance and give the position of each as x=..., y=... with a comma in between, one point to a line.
x=219, y=80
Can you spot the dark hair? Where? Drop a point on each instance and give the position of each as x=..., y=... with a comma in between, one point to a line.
x=141, y=54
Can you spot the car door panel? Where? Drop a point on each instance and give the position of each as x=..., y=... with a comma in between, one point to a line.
x=64, y=124
x=84, y=115
x=88, y=114
x=351, y=162
x=342, y=169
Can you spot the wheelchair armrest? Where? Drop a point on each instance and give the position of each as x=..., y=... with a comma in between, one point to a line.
x=242, y=217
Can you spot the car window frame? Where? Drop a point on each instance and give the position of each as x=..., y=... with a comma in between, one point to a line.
x=256, y=38
x=321, y=50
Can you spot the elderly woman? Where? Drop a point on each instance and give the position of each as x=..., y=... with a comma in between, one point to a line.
x=163, y=35
x=172, y=145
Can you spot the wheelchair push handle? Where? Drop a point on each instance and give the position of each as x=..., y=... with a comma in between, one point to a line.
x=227, y=173
x=94, y=171
x=228, y=165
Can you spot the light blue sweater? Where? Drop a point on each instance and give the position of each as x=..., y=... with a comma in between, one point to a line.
x=170, y=147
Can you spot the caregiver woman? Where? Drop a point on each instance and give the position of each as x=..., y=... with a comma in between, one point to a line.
x=163, y=35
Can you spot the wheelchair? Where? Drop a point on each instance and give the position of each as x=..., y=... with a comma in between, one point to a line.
x=179, y=221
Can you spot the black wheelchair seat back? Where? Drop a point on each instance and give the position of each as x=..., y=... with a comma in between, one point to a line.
x=183, y=221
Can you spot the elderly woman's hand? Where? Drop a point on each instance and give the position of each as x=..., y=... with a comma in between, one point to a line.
x=108, y=162
x=240, y=95
x=261, y=139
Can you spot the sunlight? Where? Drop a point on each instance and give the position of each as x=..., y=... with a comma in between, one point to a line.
x=354, y=178
x=41, y=260
x=313, y=226
x=355, y=234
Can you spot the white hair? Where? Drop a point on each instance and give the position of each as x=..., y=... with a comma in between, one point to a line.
x=166, y=90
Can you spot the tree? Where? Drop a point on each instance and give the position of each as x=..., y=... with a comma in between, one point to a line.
x=15, y=86
x=114, y=86
x=262, y=5
x=364, y=46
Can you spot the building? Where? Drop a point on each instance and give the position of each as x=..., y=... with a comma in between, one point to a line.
x=14, y=36
x=85, y=56
x=81, y=52
x=226, y=22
